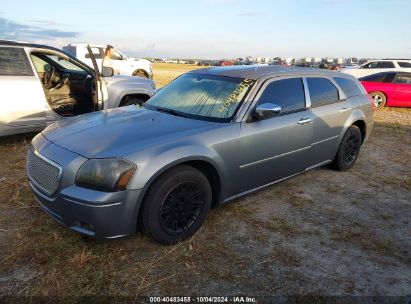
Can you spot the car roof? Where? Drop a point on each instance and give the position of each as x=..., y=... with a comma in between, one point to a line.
x=257, y=71
x=86, y=44
x=27, y=44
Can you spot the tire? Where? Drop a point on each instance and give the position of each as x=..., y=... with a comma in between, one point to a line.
x=348, y=150
x=128, y=101
x=140, y=73
x=176, y=205
x=379, y=99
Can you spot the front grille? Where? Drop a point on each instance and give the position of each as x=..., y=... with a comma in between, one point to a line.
x=42, y=172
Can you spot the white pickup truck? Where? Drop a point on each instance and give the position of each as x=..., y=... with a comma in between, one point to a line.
x=121, y=63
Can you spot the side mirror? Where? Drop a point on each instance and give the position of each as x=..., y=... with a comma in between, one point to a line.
x=267, y=110
x=107, y=71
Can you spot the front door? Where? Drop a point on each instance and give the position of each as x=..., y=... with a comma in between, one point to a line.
x=275, y=148
x=402, y=97
x=23, y=102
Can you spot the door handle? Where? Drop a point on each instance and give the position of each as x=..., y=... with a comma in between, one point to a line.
x=304, y=121
x=344, y=110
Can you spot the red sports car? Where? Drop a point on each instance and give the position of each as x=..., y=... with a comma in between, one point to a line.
x=389, y=88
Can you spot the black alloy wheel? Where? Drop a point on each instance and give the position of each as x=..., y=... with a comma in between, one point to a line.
x=181, y=207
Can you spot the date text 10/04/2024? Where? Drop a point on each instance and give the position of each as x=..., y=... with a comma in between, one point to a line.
x=205, y=299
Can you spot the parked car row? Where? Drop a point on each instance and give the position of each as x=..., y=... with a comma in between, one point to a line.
x=40, y=84
x=388, y=81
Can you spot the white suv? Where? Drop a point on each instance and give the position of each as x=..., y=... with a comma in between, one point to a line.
x=121, y=63
x=377, y=66
x=40, y=84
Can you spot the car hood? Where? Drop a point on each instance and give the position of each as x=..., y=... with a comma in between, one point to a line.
x=121, y=131
x=127, y=79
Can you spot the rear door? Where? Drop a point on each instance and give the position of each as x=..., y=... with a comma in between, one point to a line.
x=330, y=109
x=274, y=148
x=402, y=95
x=23, y=102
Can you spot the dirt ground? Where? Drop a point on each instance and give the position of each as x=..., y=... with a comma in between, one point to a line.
x=321, y=233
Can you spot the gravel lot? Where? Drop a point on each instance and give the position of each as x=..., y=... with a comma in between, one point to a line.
x=321, y=233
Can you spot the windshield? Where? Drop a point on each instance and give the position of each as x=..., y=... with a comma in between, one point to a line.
x=199, y=96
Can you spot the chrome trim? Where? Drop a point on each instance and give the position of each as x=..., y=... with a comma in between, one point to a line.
x=275, y=182
x=259, y=187
x=345, y=110
x=318, y=165
x=307, y=93
x=273, y=157
x=321, y=141
x=304, y=121
x=92, y=205
x=60, y=169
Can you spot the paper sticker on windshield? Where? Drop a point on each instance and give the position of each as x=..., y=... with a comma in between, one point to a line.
x=236, y=94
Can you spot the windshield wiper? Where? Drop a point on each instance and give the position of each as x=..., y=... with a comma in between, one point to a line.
x=170, y=111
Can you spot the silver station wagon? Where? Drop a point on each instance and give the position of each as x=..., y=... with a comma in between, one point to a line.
x=210, y=136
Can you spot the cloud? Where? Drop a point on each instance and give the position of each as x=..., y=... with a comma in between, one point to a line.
x=11, y=30
x=48, y=22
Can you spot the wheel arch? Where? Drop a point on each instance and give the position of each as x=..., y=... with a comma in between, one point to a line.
x=203, y=164
x=143, y=96
x=358, y=119
x=363, y=128
x=134, y=73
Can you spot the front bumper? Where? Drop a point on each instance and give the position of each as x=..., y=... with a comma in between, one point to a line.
x=98, y=214
x=94, y=213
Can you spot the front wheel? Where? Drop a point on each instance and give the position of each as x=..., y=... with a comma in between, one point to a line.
x=379, y=99
x=176, y=205
x=349, y=149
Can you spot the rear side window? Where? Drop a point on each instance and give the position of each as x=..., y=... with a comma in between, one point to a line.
x=14, y=62
x=349, y=86
x=380, y=77
x=385, y=65
x=287, y=93
x=322, y=91
x=404, y=64
x=403, y=78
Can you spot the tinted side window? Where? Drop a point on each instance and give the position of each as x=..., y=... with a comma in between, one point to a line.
x=14, y=62
x=380, y=77
x=385, y=65
x=322, y=91
x=371, y=65
x=349, y=87
x=404, y=64
x=403, y=78
x=287, y=93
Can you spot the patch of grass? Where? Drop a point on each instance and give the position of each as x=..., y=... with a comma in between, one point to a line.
x=286, y=256
x=367, y=241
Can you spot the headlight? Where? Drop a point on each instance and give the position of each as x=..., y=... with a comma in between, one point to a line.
x=109, y=174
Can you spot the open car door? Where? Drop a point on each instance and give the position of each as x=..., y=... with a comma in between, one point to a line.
x=100, y=93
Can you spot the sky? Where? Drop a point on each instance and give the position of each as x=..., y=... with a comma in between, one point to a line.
x=216, y=29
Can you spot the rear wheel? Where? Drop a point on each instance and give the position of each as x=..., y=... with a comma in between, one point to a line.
x=176, y=205
x=349, y=149
x=379, y=99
